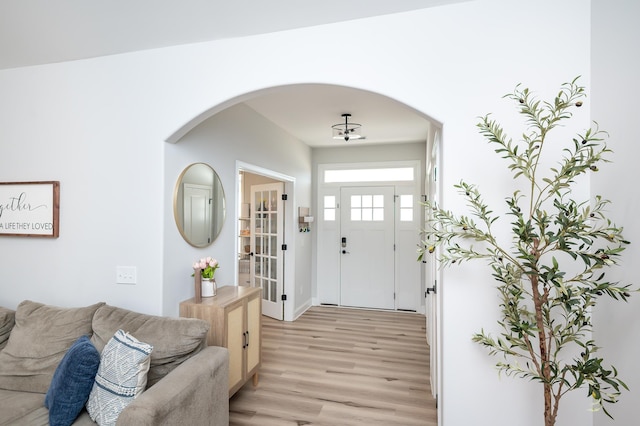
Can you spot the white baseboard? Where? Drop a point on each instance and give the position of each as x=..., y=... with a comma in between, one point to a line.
x=302, y=309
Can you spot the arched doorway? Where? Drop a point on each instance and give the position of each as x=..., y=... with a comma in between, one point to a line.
x=264, y=117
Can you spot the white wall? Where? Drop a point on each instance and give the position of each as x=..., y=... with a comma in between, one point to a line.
x=91, y=126
x=235, y=134
x=615, y=64
x=99, y=127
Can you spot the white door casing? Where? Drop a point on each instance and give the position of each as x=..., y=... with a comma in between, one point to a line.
x=408, y=283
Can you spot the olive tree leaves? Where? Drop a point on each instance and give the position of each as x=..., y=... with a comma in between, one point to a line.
x=553, y=270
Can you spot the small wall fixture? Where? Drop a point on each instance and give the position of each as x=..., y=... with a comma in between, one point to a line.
x=347, y=131
x=304, y=219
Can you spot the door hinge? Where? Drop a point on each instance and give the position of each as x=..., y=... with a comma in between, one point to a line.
x=283, y=297
x=394, y=296
x=284, y=197
x=424, y=198
x=284, y=247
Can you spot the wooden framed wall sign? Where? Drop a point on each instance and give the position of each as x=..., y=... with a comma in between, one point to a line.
x=30, y=209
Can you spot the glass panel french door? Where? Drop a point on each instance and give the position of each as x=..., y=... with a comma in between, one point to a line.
x=267, y=236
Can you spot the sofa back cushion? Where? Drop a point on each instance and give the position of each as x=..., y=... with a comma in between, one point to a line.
x=7, y=319
x=174, y=340
x=41, y=336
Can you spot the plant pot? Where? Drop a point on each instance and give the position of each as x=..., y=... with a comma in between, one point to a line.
x=209, y=287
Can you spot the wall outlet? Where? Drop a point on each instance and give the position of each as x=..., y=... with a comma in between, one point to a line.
x=125, y=274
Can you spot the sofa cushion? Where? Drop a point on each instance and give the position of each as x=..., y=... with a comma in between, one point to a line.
x=22, y=408
x=174, y=340
x=72, y=382
x=41, y=336
x=122, y=377
x=7, y=320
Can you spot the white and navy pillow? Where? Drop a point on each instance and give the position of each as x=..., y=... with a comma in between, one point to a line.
x=122, y=376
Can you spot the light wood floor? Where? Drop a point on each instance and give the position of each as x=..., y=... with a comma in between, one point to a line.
x=340, y=367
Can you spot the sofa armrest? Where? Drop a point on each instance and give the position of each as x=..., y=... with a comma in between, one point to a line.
x=197, y=391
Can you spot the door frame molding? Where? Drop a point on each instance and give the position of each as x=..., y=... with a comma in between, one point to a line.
x=290, y=221
x=323, y=189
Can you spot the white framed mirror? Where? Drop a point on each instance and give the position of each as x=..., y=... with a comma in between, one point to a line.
x=199, y=204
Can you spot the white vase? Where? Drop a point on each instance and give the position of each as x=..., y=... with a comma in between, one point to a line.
x=209, y=287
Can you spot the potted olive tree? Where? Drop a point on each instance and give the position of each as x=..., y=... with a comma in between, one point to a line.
x=552, y=271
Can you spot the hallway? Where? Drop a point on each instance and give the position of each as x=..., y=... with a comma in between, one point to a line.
x=340, y=367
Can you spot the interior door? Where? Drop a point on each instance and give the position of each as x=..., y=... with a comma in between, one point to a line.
x=431, y=267
x=267, y=256
x=367, y=247
x=197, y=213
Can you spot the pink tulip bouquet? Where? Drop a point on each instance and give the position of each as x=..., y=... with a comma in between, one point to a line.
x=207, y=267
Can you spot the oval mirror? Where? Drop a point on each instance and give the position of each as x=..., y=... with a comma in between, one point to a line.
x=199, y=204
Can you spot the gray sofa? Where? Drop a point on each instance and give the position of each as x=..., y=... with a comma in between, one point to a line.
x=187, y=381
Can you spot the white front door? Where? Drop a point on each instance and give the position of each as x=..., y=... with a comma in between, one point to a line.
x=367, y=247
x=197, y=214
x=266, y=256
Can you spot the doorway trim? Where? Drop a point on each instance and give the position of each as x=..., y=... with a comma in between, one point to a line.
x=289, y=229
x=327, y=259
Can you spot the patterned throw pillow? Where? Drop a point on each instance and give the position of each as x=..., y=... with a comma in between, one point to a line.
x=72, y=382
x=122, y=376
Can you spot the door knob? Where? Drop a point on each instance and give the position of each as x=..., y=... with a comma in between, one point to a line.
x=345, y=252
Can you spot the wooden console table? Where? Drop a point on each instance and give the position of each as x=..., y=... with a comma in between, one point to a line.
x=235, y=315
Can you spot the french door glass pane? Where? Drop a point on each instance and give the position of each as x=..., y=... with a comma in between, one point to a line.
x=266, y=240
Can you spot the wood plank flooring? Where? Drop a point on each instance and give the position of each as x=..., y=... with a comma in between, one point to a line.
x=340, y=367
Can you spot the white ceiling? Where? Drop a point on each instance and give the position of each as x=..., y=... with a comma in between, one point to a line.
x=309, y=111
x=34, y=32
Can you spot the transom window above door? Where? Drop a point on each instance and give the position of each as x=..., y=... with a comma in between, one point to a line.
x=383, y=174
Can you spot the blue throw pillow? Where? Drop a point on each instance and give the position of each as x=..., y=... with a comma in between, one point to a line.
x=72, y=382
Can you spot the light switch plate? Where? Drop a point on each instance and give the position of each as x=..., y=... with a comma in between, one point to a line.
x=126, y=274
